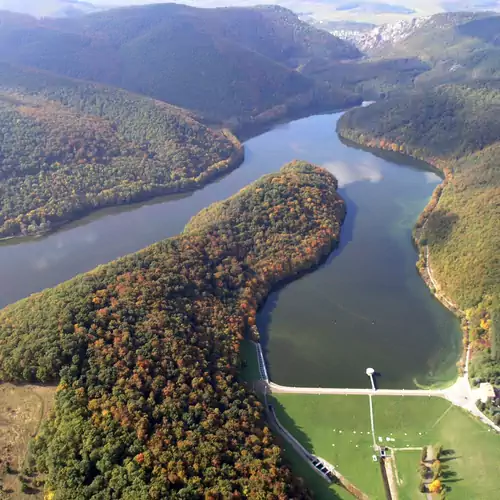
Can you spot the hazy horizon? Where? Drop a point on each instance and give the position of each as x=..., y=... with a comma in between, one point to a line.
x=374, y=11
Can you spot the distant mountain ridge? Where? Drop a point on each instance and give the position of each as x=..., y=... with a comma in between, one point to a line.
x=227, y=65
x=386, y=39
x=50, y=8
x=380, y=36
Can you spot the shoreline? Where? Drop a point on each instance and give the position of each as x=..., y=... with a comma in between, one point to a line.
x=423, y=263
x=237, y=135
x=211, y=174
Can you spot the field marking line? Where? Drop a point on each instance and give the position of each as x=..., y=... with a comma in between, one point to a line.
x=414, y=448
x=442, y=416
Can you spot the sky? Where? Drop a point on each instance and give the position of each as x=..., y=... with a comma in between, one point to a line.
x=320, y=9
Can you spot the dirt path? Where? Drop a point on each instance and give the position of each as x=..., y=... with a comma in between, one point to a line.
x=390, y=469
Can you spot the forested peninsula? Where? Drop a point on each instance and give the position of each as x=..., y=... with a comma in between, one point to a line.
x=68, y=147
x=456, y=129
x=145, y=351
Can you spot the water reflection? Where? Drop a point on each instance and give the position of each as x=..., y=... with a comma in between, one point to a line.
x=347, y=174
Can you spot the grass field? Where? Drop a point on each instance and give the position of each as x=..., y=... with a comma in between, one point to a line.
x=471, y=464
x=322, y=490
x=336, y=428
x=409, y=479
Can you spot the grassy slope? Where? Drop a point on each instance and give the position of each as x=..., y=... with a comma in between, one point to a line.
x=412, y=421
x=319, y=422
x=300, y=468
x=250, y=371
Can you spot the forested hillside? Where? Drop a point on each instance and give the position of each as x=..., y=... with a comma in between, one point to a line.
x=145, y=349
x=448, y=122
x=457, y=129
x=452, y=47
x=229, y=65
x=67, y=147
x=460, y=47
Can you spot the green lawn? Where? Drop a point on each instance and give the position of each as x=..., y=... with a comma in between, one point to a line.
x=250, y=371
x=472, y=451
x=409, y=478
x=336, y=428
x=322, y=490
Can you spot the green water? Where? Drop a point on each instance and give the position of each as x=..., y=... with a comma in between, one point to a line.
x=366, y=306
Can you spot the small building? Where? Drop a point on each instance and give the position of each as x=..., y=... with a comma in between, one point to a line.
x=486, y=392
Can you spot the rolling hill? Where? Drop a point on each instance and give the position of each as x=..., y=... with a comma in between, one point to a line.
x=52, y=8
x=231, y=65
x=453, y=47
x=150, y=403
x=68, y=147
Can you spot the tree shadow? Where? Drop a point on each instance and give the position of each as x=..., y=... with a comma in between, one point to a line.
x=296, y=462
x=448, y=475
x=347, y=230
x=394, y=157
x=289, y=424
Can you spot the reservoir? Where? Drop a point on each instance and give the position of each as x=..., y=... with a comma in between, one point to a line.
x=366, y=306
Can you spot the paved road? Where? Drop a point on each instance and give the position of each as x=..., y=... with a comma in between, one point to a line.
x=365, y=392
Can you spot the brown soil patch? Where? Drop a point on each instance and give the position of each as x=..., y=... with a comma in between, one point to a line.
x=22, y=410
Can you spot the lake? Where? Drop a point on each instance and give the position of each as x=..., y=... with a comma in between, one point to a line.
x=366, y=306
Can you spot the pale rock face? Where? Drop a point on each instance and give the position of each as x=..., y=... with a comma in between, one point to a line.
x=382, y=36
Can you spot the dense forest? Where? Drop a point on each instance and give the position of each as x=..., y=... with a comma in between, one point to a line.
x=229, y=65
x=68, y=147
x=457, y=129
x=145, y=351
x=448, y=122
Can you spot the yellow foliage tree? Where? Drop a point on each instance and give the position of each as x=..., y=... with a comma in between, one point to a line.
x=435, y=486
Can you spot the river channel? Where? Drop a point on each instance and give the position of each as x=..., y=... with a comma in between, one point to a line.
x=366, y=306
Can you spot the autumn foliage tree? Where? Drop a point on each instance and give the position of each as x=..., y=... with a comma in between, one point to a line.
x=435, y=486
x=146, y=351
x=69, y=147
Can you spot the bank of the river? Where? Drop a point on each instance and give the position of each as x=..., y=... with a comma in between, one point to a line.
x=423, y=263
x=237, y=134
x=211, y=174
x=365, y=304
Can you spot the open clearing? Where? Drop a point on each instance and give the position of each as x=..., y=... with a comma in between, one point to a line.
x=337, y=428
x=409, y=479
x=22, y=408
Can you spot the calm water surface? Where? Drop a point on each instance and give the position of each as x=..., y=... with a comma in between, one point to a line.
x=365, y=307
